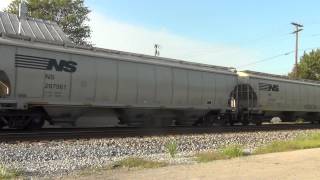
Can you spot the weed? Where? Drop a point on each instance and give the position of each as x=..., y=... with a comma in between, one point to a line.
x=301, y=142
x=232, y=151
x=7, y=174
x=172, y=148
x=224, y=153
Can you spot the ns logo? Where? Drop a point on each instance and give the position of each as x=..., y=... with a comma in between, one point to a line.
x=268, y=87
x=62, y=65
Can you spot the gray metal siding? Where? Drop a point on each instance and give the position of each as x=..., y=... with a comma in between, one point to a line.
x=27, y=88
x=146, y=84
x=180, y=87
x=164, y=82
x=127, y=85
x=32, y=83
x=291, y=96
x=101, y=81
x=195, y=88
x=317, y=96
x=106, y=82
x=83, y=80
x=224, y=86
x=209, y=90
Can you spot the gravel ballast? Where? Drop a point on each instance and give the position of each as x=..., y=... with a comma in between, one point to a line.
x=55, y=158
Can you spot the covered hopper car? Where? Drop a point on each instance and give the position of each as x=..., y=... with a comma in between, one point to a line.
x=262, y=96
x=44, y=77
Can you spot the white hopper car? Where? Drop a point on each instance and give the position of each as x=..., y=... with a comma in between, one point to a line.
x=262, y=96
x=44, y=77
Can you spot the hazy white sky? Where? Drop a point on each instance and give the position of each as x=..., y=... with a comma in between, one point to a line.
x=113, y=34
x=4, y=3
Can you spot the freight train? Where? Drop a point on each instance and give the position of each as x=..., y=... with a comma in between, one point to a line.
x=44, y=77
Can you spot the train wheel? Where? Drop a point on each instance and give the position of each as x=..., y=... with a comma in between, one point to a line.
x=258, y=123
x=36, y=122
x=245, y=123
x=245, y=120
x=18, y=121
x=2, y=123
x=206, y=121
x=221, y=121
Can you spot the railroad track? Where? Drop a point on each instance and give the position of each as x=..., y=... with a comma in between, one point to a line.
x=88, y=133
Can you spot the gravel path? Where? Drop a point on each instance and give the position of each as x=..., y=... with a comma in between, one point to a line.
x=55, y=158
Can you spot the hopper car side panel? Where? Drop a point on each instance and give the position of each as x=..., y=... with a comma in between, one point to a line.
x=164, y=85
x=195, y=79
x=83, y=83
x=106, y=81
x=120, y=83
x=288, y=99
x=34, y=82
x=146, y=82
x=53, y=80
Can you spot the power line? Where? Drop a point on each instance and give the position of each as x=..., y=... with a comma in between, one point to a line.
x=236, y=50
x=275, y=57
x=266, y=59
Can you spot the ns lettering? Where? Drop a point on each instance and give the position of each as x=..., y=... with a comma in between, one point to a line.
x=62, y=65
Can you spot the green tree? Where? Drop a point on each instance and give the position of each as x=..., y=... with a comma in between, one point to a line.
x=309, y=66
x=71, y=16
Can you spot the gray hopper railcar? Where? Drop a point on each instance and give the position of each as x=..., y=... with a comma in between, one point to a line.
x=261, y=96
x=44, y=77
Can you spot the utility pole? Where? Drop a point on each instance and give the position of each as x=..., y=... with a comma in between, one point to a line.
x=156, y=50
x=298, y=28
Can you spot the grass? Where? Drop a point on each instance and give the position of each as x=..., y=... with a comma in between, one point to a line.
x=172, y=148
x=7, y=174
x=232, y=151
x=224, y=153
x=301, y=142
x=209, y=156
x=138, y=163
x=130, y=162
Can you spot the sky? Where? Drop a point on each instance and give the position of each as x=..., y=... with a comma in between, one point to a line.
x=244, y=34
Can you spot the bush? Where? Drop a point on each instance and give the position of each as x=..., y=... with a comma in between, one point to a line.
x=172, y=148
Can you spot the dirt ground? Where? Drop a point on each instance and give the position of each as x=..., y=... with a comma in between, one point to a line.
x=303, y=164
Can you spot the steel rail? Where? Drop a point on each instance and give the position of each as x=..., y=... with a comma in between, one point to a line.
x=121, y=132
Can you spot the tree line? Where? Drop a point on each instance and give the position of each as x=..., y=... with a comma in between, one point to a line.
x=71, y=16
